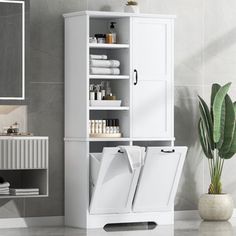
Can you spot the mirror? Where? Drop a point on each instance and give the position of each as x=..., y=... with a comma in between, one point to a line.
x=12, y=50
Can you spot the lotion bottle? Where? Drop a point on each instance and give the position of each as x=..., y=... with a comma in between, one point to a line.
x=112, y=31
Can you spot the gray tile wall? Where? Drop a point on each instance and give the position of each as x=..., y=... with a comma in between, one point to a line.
x=45, y=100
x=205, y=51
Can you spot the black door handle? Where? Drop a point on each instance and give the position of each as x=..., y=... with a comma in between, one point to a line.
x=136, y=77
x=168, y=151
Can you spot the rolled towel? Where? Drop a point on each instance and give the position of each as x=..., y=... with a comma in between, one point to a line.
x=104, y=63
x=4, y=185
x=104, y=71
x=98, y=57
x=134, y=155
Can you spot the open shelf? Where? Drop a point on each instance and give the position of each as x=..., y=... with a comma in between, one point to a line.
x=22, y=196
x=107, y=45
x=108, y=139
x=109, y=77
x=109, y=108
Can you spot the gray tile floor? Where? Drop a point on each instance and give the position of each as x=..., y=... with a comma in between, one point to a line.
x=181, y=228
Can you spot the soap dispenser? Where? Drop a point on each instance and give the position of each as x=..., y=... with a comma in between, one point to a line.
x=112, y=31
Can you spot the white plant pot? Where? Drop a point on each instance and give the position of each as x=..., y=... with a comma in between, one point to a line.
x=131, y=8
x=216, y=207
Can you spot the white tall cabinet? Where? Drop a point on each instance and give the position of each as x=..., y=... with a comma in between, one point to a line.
x=145, y=86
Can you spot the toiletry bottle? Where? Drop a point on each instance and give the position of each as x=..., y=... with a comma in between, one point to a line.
x=107, y=127
x=108, y=88
x=103, y=126
x=100, y=126
x=117, y=126
x=109, y=38
x=92, y=126
x=103, y=90
x=111, y=130
x=96, y=127
x=114, y=126
x=98, y=93
x=112, y=32
x=91, y=92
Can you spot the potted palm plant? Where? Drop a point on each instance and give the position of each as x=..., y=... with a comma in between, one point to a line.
x=217, y=133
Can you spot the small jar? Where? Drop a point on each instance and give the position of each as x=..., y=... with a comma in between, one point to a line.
x=109, y=38
x=16, y=127
x=101, y=38
x=92, y=40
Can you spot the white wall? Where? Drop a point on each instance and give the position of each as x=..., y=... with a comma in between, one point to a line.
x=205, y=52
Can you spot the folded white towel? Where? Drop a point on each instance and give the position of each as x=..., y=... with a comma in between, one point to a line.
x=4, y=189
x=104, y=71
x=98, y=57
x=4, y=185
x=24, y=190
x=5, y=193
x=24, y=194
x=134, y=155
x=104, y=63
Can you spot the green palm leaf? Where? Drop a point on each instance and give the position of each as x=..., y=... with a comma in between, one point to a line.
x=202, y=136
x=207, y=120
x=217, y=109
x=229, y=126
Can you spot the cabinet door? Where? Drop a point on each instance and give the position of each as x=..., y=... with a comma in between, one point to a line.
x=152, y=113
x=159, y=179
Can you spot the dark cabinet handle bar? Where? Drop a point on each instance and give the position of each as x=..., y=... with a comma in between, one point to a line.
x=120, y=151
x=169, y=151
x=136, y=77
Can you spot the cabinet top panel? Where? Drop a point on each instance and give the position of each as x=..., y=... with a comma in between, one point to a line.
x=104, y=14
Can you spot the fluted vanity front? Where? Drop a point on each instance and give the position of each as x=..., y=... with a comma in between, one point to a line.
x=23, y=152
x=24, y=163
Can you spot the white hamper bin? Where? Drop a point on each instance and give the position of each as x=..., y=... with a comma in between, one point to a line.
x=112, y=183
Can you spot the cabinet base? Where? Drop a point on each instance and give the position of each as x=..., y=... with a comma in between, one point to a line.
x=99, y=221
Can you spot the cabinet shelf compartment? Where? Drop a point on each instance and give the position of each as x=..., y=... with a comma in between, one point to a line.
x=102, y=25
x=98, y=146
x=26, y=179
x=113, y=114
x=122, y=55
x=119, y=88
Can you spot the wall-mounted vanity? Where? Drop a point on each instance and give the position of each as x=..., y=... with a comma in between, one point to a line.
x=12, y=50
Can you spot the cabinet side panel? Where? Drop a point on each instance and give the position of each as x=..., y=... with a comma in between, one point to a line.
x=76, y=184
x=76, y=71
